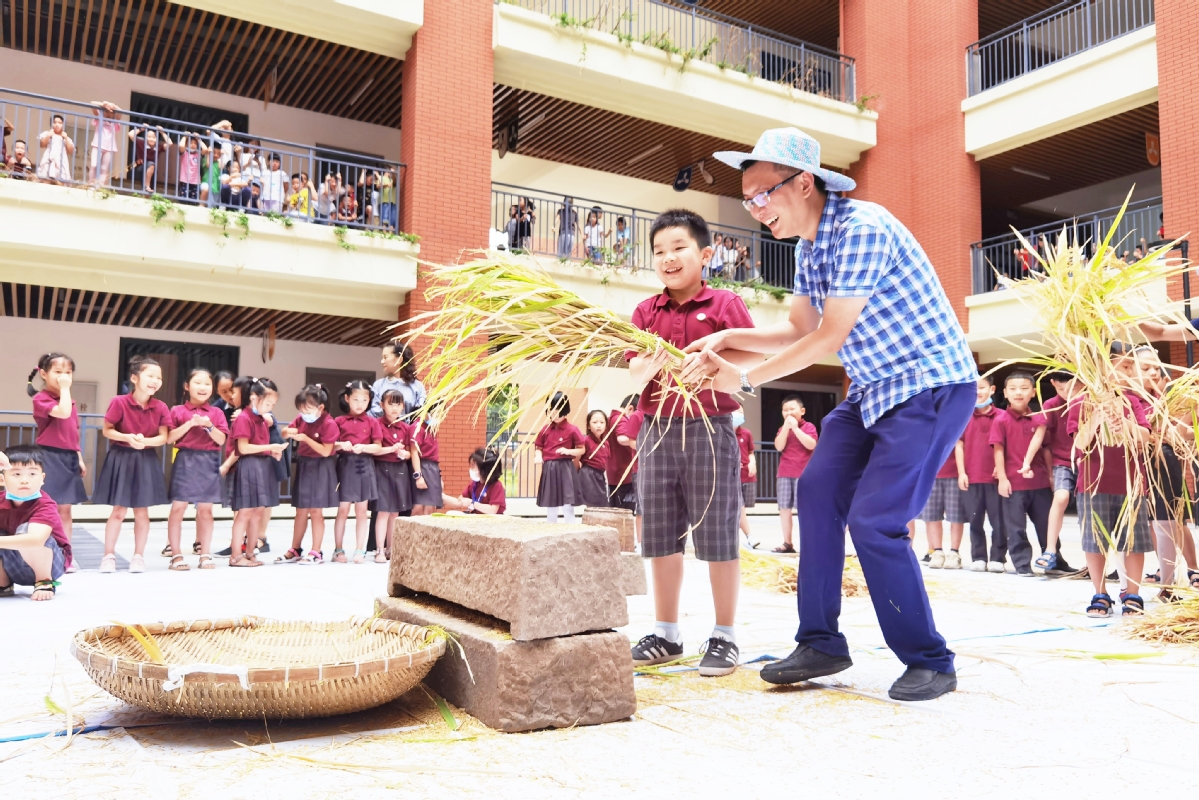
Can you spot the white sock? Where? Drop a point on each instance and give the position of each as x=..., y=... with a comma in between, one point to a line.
x=668, y=631
x=570, y=513
x=552, y=514
x=725, y=632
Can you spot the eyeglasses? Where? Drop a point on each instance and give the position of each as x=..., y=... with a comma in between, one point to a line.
x=762, y=198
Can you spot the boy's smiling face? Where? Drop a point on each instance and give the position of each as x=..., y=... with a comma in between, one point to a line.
x=678, y=258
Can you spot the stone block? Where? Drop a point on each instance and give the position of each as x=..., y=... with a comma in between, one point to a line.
x=523, y=686
x=634, y=574
x=620, y=519
x=543, y=579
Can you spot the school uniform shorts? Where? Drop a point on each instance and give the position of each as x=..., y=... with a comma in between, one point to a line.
x=785, y=491
x=1098, y=515
x=19, y=571
x=1064, y=478
x=698, y=487
x=946, y=502
x=749, y=494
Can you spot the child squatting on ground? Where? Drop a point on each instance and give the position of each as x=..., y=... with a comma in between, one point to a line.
x=34, y=551
x=698, y=488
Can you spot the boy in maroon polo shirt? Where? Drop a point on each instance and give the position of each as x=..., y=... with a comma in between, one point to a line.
x=795, y=442
x=1022, y=494
x=977, y=478
x=688, y=478
x=34, y=551
x=1061, y=446
x=622, y=458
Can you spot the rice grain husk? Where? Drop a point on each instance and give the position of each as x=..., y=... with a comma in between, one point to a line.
x=781, y=574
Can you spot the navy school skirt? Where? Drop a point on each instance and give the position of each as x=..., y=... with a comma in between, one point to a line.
x=196, y=477
x=557, y=485
x=315, y=485
x=131, y=479
x=431, y=472
x=592, y=486
x=356, y=478
x=254, y=484
x=394, y=482
x=64, y=480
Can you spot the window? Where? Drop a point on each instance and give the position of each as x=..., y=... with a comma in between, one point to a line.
x=177, y=359
x=334, y=380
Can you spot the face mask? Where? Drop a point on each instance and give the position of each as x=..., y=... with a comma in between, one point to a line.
x=256, y=411
x=16, y=498
x=981, y=406
x=474, y=475
x=738, y=419
x=310, y=418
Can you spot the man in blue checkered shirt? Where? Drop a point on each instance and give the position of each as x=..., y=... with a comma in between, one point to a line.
x=865, y=290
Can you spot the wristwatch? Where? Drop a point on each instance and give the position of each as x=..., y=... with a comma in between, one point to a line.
x=746, y=386
x=416, y=475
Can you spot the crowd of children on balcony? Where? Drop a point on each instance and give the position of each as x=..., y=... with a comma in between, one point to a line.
x=216, y=167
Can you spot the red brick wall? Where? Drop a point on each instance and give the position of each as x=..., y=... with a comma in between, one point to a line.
x=911, y=54
x=1178, y=118
x=446, y=144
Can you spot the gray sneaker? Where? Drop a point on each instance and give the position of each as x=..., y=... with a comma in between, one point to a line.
x=720, y=658
x=653, y=649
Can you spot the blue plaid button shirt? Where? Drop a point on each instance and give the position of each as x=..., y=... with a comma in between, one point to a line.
x=908, y=338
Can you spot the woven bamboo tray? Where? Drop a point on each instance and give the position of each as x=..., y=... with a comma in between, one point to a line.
x=251, y=668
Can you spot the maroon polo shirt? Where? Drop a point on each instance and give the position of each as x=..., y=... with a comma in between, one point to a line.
x=323, y=431
x=745, y=440
x=1108, y=475
x=51, y=431
x=950, y=468
x=1059, y=442
x=198, y=438
x=398, y=432
x=619, y=456
x=252, y=427
x=363, y=429
x=558, y=434
x=709, y=311
x=127, y=416
x=43, y=511
x=492, y=495
x=1014, y=433
x=426, y=444
x=795, y=457
x=629, y=427
x=976, y=444
x=596, y=453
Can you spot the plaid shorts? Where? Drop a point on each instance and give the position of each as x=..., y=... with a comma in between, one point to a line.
x=749, y=494
x=1097, y=516
x=947, y=501
x=1064, y=478
x=19, y=571
x=785, y=489
x=697, y=488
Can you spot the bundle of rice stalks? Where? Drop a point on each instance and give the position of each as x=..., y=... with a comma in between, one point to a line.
x=502, y=315
x=1174, y=623
x=775, y=574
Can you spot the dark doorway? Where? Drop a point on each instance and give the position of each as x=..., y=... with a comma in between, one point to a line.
x=334, y=380
x=195, y=116
x=177, y=359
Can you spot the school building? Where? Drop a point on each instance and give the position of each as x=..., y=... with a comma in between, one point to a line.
x=473, y=123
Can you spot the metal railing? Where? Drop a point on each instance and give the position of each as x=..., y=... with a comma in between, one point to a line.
x=1000, y=256
x=70, y=143
x=1046, y=38
x=617, y=236
x=689, y=32
x=521, y=473
x=18, y=427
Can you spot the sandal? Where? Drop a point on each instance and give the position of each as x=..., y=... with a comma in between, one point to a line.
x=313, y=557
x=1132, y=605
x=1046, y=561
x=1193, y=577
x=7, y=591
x=244, y=562
x=785, y=547
x=206, y=562
x=290, y=557
x=359, y=556
x=339, y=556
x=167, y=552
x=1101, y=606
x=43, y=586
x=108, y=563
x=1167, y=595
x=380, y=557
x=178, y=564
x=1153, y=577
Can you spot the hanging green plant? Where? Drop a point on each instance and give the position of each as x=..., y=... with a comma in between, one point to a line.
x=161, y=207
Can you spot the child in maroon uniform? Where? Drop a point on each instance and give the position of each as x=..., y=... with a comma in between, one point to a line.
x=254, y=485
x=57, y=422
x=977, y=479
x=591, y=478
x=795, y=441
x=947, y=501
x=427, y=492
x=198, y=431
x=1022, y=493
x=749, y=472
x=315, y=486
x=1061, y=445
x=558, y=444
x=357, y=442
x=34, y=551
x=397, y=461
x=485, y=492
x=131, y=477
x=622, y=458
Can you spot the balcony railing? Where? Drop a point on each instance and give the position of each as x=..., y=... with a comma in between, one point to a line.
x=998, y=256
x=144, y=155
x=689, y=32
x=1046, y=38
x=533, y=221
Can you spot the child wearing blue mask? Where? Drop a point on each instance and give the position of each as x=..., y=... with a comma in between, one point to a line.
x=34, y=551
x=315, y=486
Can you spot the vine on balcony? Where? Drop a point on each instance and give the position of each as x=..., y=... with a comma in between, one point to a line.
x=161, y=207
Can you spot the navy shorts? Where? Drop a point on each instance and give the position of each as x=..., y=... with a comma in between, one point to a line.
x=21, y=573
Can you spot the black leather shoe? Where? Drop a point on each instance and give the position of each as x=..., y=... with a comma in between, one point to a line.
x=803, y=664
x=923, y=684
